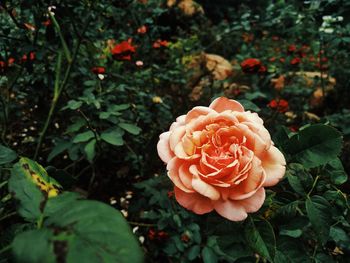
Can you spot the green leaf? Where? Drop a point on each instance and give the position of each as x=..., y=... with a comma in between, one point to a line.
x=80, y=231
x=83, y=137
x=60, y=147
x=249, y=105
x=315, y=145
x=290, y=251
x=31, y=186
x=335, y=170
x=319, y=212
x=299, y=179
x=130, y=128
x=261, y=238
x=340, y=237
x=113, y=137
x=89, y=150
x=208, y=255
x=33, y=246
x=193, y=252
x=119, y=107
x=73, y=105
x=6, y=155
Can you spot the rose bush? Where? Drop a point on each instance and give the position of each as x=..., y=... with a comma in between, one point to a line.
x=220, y=158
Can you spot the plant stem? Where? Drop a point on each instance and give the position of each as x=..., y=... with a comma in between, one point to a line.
x=7, y=216
x=58, y=90
x=313, y=185
x=5, y=249
x=53, y=105
x=63, y=42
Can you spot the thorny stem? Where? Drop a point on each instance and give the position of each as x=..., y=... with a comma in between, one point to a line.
x=58, y=89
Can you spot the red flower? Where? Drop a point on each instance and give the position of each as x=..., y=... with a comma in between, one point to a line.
x=98, y=70
x=252, y=65
x=185, y=238
x=2, y=66
x=123, y=50
x=170, y=194
x=142, y=29
x=10, y=61
x=25, y=57
x=273, y=59
x=292, y=48
x=152, y=234
x=282, y=60
x=47, y=22
x=293, y=128
x=160, y=43
x=162, y=235
x=279, y=105
x=32, y=55
x=295, y=61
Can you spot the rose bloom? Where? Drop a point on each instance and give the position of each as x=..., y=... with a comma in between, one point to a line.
x=142, y=29
x=123, y=50
x=295, y=61
x=160, y=43
x=279, y=105
x=221, y=158
x=98, y=70
x=252, y=65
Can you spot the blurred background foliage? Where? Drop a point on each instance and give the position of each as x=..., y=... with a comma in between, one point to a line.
x=88, y=86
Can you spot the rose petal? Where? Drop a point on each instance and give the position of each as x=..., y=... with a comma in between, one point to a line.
x=173, y=174
x=176, y=136
x=163, y=147
x=232, y=210
x=193, y=201
x=202, y=187
x=273, y=163
x=196, y=112
x=253, y=203
x=180, y=121
x=221, y=104
x=185, y=175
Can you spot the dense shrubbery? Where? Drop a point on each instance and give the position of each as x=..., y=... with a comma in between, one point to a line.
x=87, y=87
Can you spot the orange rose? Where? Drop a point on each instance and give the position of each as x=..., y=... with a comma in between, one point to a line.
x=220, y=158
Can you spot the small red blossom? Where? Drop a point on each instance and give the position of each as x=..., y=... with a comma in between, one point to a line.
x=47, y=22
x=292, y=48
x=160, y=43
x=282, y=60
x=185, y=238
x=152, y=234
x=10, y=61
x=170, y=194
x=279, y=105
x=273, y=59
x=162, y=235
x=295, y=61
x=31, y=56
x=2, y=66
x=123, y=50
x=155, y=235
x=252, y=65
x=142, y=30
x=293, y=128
x=98, y=70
